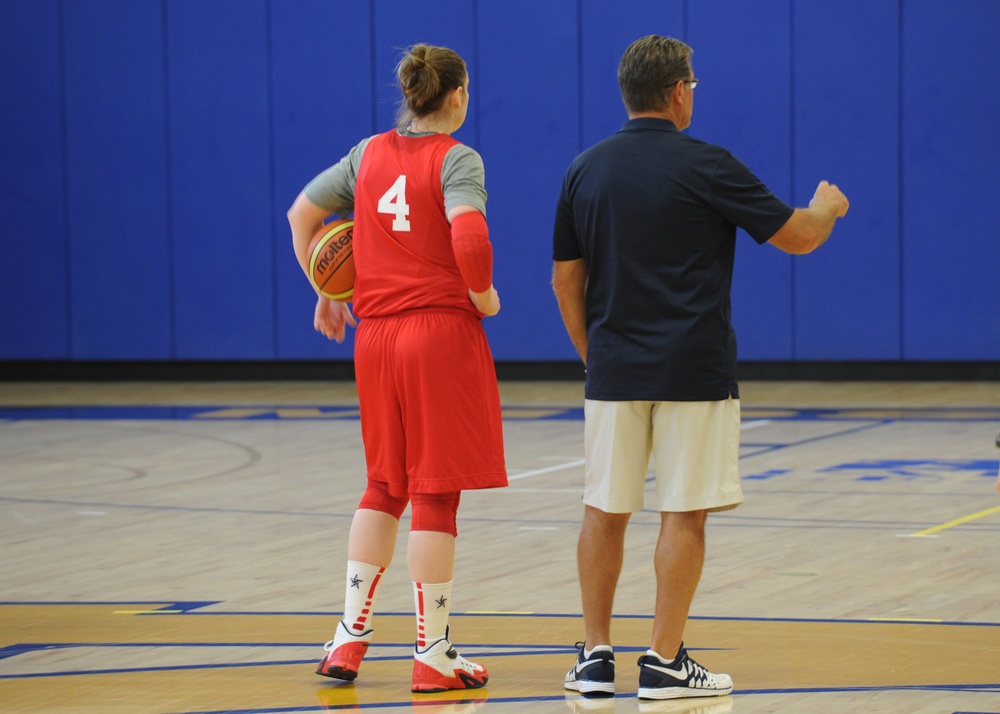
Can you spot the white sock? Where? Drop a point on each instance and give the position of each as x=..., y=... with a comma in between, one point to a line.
x=432, y=602
x=359, y=598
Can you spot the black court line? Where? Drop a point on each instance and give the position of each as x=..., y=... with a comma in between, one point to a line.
x=721, y=520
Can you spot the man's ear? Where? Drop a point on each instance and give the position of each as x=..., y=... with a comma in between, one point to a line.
x=676, y=92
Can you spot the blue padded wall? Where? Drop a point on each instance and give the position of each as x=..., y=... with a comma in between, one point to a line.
x=399, y=24
x=951, y=155
x=846, y=96
x=121, y=277
x=153, y=146
x=742, y=55
x=528, y=135
x=601, y=111
x=221, y=187
x=323, y=104
x=34, y=245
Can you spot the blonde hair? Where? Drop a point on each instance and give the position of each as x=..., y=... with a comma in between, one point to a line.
x=426, y=74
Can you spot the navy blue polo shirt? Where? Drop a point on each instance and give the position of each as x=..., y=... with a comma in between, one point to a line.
x=653, y=213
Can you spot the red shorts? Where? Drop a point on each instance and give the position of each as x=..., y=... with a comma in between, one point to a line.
x=430, y=406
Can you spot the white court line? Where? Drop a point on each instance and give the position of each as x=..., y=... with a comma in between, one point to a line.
x=547, y=469
x=752, y=424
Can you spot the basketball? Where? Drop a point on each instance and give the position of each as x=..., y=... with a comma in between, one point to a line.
x=331, y=260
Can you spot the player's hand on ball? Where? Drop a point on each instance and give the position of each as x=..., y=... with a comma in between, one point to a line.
x=487, y=302
x=332, y=317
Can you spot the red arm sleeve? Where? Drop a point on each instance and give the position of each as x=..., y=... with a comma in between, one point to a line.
x=470, y=239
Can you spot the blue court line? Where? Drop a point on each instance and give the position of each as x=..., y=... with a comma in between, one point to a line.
x=849, y=621
x=822, y=437
x=985, y=688
x=530, y=649
x=376, y=705
x=334, y=613
x=473, y=651
x=864, y=413
x=268, y=412
x=184, y=605
x=520, y=650
x=557, y=615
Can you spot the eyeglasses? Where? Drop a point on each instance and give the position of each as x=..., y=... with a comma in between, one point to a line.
x=692, y=82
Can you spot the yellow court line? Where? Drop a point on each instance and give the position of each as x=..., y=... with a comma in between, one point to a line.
x=958, y=521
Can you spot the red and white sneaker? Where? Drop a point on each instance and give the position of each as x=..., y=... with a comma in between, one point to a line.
x=440, y=668
x=344, y=653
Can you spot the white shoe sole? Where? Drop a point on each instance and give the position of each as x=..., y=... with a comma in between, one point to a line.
x=680, y=692
x=584, y=686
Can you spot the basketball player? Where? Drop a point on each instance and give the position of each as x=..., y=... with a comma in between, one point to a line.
x=644, y=240
x=430, y=405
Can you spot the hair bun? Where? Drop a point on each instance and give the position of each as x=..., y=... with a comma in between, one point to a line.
x=426, y=74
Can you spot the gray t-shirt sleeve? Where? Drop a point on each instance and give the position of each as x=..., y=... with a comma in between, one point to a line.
x=463, y=179
x=334, y=188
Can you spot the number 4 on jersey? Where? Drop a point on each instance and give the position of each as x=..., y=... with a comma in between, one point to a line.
x=394, y=203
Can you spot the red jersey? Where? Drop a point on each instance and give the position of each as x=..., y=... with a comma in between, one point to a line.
x=402, y=238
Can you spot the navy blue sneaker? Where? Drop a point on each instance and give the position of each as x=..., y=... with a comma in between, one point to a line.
x=593, y=676
x=681, y=677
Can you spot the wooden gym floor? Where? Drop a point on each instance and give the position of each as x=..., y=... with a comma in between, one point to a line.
x=180, y=548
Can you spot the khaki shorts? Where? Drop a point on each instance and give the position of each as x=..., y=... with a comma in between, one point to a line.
x=695, y=447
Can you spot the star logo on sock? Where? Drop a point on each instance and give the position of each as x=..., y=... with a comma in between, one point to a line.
x=441, y=601
x=356, y=582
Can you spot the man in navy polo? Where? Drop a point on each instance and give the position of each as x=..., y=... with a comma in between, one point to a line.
x=643, y=249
